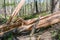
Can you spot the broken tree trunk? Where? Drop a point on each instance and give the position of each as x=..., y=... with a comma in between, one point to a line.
x=28, y=24
x=46, y=21
x=15, y=12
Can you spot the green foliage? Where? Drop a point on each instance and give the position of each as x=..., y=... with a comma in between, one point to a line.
x=3, y=19
x=57, y=36
x=34, y=15
x=8, y=36
x=8, y=4
x=30, y=16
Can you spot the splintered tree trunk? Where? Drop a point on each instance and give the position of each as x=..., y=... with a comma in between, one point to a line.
x=28, y=24
x=46, y=21
x=15, y=12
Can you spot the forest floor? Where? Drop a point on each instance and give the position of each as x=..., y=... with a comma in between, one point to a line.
x=50, y=33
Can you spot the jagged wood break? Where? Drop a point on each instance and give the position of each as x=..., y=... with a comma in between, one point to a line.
x=28, y=24
x=15, y=12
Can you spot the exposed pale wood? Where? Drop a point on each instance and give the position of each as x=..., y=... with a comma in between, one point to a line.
x=28, y=24
x=15, y=12
x=47, y=20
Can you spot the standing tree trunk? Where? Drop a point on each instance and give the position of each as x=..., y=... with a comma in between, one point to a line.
x=54, y=5
x=59, y=4
x=40, y=5
x=36, y=6
x=46, y=5
x=4, y=8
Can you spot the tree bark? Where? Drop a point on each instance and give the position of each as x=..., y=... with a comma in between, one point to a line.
x=46, y=21
x=28, y=24
x=54, y=5
x=36, y=6
x=4, y=8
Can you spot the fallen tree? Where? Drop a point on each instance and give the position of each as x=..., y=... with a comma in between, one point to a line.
x=44, y=21
x=28, y=24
